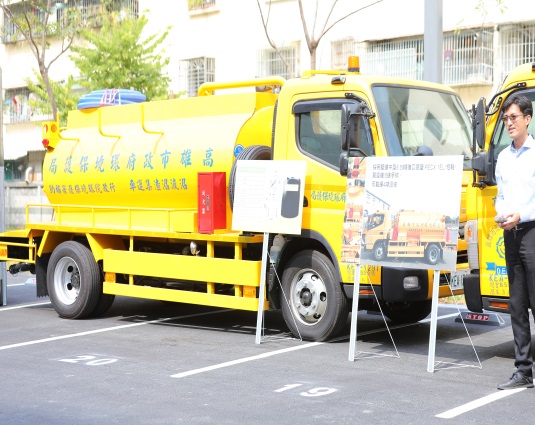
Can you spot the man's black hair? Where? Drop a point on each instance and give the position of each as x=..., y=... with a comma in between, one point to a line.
x=522, y=101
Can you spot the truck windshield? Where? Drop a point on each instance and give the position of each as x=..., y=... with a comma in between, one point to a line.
x=412, y=117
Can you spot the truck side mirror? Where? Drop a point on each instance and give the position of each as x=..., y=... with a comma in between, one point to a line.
x=479, y=123
x=479, y=163
x=350, y=125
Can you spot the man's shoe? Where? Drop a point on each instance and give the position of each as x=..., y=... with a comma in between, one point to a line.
x=518, y=380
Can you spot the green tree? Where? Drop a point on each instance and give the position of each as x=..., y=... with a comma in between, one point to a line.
x=64, y=94
x=32, y=22
x=115, y=56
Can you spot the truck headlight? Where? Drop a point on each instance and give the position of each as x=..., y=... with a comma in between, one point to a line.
x=411, y=283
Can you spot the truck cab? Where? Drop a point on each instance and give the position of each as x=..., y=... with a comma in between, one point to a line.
x=487, y=288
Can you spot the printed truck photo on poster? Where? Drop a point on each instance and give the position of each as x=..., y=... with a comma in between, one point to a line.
x=410, y=212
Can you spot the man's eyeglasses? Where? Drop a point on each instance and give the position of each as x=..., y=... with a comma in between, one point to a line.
x=512, y=117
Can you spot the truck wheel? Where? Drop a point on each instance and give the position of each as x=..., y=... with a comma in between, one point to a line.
x=255, y=152
x=379, y=251
x=313, y=304
x=407, y=312
x=74, y=280
x=432, y=254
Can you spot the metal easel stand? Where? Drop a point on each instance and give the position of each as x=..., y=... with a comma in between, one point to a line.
x=353, y=334
x=260, y=336
x=431, y=364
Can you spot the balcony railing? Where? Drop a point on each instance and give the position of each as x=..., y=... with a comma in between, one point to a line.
x=17, y=107
x=468, y=57
x=90, y=12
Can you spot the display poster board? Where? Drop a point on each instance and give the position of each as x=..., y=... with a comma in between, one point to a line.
x=407, y=211
x=268, y=196
x=354, y=211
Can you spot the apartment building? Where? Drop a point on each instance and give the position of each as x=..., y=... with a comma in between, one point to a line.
x=225, y=40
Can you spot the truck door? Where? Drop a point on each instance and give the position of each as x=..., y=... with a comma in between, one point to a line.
x=314, y=135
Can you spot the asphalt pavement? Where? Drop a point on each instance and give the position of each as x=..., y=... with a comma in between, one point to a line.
x=149, y=362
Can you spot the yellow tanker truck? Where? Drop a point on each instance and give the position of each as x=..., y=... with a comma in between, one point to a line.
x=123, y=218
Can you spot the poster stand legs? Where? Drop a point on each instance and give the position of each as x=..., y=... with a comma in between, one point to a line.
x=433, y=329
x=354, y=312
x=262, y=290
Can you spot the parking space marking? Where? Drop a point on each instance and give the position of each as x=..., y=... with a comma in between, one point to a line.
x=23, y=306
x=286, y=350
x=244, y=360
x=113, y=328
x=477, y=403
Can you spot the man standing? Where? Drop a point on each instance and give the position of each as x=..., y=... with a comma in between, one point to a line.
x=515, y=205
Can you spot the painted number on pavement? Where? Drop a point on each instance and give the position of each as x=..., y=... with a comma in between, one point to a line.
x=89, y=360
x=313, y=392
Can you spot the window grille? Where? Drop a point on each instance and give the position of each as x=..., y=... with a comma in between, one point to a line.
x=17, y=108
x=468, y=57
x=341, y=50
x=517, y=45
x=402, y=58
x=194, y=72
x=269, y=62
x=90, y=11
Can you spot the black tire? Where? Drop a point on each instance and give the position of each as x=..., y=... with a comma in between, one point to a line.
x=407, y=312
x=433, y=253
x=313, y=304
x=379, y=251
x=41, y=266
x=255, y=152
x=74, y=280
x=103, y=305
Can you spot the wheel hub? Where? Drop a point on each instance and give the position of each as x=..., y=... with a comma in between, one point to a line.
x=67, y=280
x=309, y=297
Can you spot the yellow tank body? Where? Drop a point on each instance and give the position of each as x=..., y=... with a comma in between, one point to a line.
x=148, y=154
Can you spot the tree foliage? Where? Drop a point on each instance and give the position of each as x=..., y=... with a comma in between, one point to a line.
x=116, y=56
x=35, y=24
x=64, y=93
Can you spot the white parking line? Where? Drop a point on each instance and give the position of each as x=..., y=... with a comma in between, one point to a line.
x=477, y=403
x=23, y=306
x=244, y=360
x=15, y=284
x=114, y=328
x=286, y=350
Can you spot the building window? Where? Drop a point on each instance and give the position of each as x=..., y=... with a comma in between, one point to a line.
x=402, y=58
x=19, y=107
x=90, y=11
x=195, y=72
x=341, y=50
x=468, y=57
x=283, y=63
x=517, y=45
